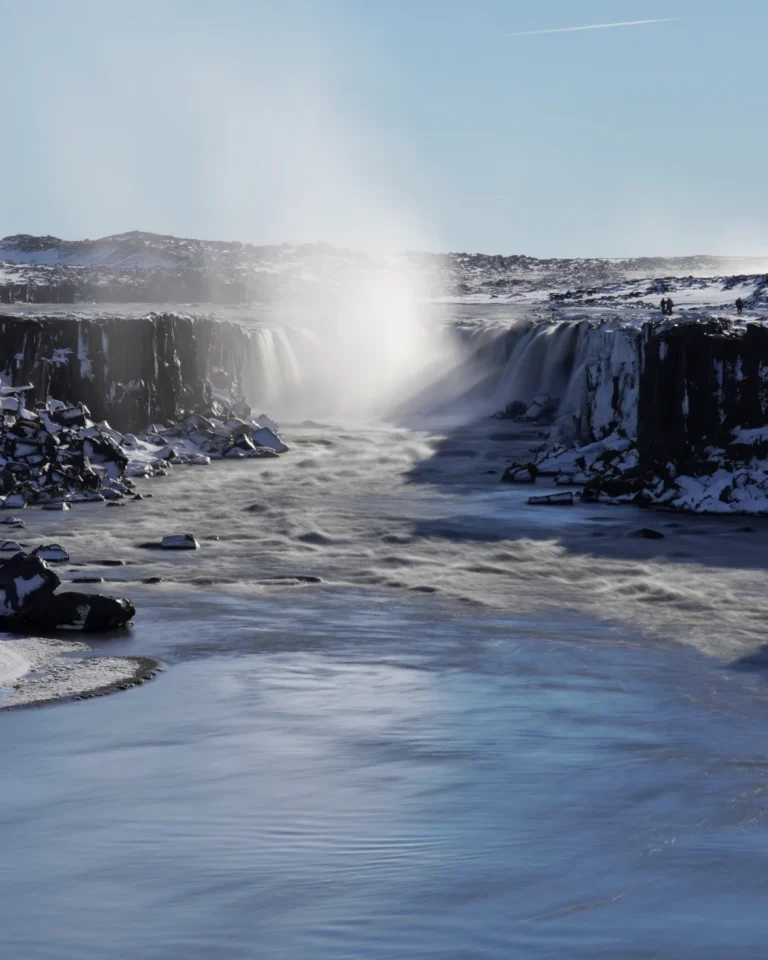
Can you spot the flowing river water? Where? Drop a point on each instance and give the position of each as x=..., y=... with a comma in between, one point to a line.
x=489, y=731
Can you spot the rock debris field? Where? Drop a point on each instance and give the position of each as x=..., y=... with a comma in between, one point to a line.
x=55, y=457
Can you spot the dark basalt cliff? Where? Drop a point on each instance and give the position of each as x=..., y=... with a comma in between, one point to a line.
x=698, y=382
x=156, y=286
x=129, y=371
x=674, y=414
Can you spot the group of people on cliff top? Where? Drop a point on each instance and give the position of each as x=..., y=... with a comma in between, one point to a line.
x=667, y=306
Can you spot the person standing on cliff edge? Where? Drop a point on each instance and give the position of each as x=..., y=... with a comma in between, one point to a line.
x=740, y=306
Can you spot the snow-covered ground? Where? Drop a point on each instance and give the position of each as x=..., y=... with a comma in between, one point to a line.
x=34, y=671
x=223, y=272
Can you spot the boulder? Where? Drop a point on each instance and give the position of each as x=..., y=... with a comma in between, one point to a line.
x=51, y=552
x=512, y=411
x=552, y=500
x=25, y=581
x=647, y=533
x=517, y=473
x=179, y=541
x=263, y=436
x=88, y=612
x=176, y=541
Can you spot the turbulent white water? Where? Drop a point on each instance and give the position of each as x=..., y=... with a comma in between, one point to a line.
x=412, y=512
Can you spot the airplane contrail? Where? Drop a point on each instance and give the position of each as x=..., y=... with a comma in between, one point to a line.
x=591, y=26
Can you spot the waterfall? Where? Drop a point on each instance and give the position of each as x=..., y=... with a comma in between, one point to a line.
x=278, y=367
x=589, y=372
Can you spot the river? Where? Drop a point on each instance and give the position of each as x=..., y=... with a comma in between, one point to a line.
x=491, y=731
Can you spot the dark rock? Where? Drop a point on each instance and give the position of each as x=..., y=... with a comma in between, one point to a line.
x=512, y=410
x=79, y=611
x=25, y=582
x=51, y=553
x=647, y=533
x=153, y=580
x=520, y=473
x=88, y=580
x=178, y=541
x=552, y=500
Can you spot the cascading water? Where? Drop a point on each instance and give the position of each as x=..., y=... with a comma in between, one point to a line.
x=356, y=357
x=278, y=368
x=587, y=373
x=514, y=364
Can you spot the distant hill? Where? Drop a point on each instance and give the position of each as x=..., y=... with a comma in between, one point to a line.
x=140, y=267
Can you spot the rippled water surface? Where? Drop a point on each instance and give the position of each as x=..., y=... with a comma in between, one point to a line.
x=490, y=732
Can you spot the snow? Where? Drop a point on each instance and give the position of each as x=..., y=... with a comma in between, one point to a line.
x=750, y=437
x=13, y=663
x=34, y=671
x=24, y=587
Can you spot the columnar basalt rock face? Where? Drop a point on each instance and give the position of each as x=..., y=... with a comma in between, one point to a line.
x=129, y=371
x=672, y=413
x=699, y=382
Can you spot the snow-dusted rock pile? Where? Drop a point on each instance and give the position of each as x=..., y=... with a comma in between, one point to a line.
x=28, y=600
x=728, y=479
x=200, y=439
x=56, y=455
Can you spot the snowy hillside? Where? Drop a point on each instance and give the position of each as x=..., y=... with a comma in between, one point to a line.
x=147, y=267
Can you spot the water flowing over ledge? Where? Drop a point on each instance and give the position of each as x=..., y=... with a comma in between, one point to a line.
x=631, y=408
x=673, y=413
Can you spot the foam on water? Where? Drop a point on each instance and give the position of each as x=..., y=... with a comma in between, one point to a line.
x=391, y=509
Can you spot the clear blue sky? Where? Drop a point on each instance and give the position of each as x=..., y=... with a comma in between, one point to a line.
x=390, y=125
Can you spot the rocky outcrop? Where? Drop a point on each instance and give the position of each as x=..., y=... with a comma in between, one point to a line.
x=28, y=601
x=699, y=382
x=55, y=455
x=674, y=414
x=129, y=371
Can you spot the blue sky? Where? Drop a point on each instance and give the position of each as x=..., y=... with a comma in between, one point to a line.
x=405, y=124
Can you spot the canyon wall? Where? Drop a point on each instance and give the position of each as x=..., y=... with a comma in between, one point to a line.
x=129, y=371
